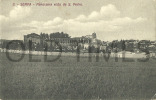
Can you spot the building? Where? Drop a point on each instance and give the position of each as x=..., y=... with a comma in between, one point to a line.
x=59, y=38
x=3, y=43
x=33, y=37
x=94, y=35
x=143, y=44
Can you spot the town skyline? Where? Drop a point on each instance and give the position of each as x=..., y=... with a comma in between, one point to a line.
x=53, y=41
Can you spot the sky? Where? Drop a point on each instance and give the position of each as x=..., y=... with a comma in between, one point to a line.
x=109, y=19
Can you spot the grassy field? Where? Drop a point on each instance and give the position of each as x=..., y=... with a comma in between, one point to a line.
x=67, y=79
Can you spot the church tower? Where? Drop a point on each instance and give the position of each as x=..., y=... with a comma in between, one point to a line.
x=94, y=35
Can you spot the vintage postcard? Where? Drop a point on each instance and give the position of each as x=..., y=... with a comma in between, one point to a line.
x=77, y=49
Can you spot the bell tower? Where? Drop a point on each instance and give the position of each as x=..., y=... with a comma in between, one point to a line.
x=94, y=35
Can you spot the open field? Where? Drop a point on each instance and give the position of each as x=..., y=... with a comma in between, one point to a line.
x=68, y=79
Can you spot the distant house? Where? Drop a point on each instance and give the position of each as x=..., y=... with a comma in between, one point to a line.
x=33, y=37
x=3, y=43
x=13, y=44
x=153, y=43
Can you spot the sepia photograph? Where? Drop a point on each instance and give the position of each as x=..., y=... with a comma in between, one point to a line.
x=77, y=49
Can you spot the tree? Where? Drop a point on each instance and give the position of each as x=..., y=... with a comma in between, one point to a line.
x=123, y=45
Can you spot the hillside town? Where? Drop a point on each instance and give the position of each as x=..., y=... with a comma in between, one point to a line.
x=89, y=43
